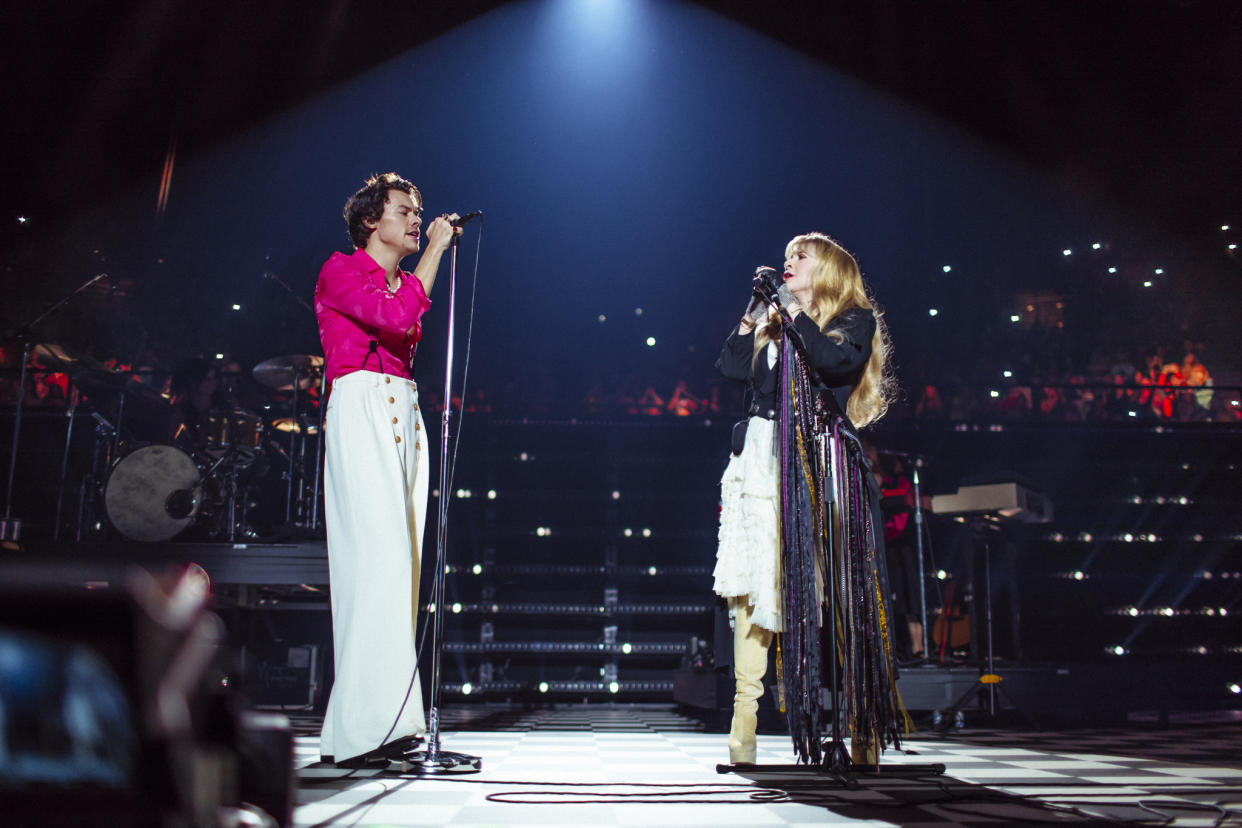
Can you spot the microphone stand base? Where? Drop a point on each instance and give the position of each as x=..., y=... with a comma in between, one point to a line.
x=444, y=762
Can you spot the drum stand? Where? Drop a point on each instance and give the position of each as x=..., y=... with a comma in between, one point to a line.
x=10, y=527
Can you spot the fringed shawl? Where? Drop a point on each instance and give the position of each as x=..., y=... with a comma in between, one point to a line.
x=831, y=539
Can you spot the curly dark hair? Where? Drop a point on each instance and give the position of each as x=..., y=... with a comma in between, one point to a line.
x=368, y=204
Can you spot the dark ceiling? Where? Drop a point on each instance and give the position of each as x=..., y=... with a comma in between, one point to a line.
x=1139, y=101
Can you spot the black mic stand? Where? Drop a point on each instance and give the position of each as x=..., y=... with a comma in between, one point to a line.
x=10, y=527
x=837, y=763
x=920, y=526
x=431, y=759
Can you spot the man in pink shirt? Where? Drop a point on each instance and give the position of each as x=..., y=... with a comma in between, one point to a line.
x=376, y=466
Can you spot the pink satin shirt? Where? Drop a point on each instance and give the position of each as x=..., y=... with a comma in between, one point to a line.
x=354, y=307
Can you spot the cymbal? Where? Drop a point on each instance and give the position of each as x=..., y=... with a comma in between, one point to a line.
x=287, y=424
x=59, y=358
x=54, y=356
x=279, y=372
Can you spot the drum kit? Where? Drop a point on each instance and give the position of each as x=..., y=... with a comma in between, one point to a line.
x=162, y=471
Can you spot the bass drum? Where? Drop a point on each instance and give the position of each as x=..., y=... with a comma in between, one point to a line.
x=153, y=493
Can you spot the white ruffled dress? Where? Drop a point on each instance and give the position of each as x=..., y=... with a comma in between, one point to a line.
x=749, y=539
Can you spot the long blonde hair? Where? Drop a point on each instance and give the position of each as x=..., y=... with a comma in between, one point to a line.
x=836, y=286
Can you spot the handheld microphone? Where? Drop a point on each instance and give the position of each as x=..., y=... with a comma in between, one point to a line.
x=462, y=221
x=767, y=282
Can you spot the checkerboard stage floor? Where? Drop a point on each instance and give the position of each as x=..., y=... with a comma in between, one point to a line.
x=604, y=766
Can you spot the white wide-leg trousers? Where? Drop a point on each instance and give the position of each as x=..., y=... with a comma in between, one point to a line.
x=375, y=507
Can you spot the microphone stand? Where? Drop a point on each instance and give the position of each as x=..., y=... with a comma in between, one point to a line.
x=431, y=759
x=917, y=462
x=10, y=528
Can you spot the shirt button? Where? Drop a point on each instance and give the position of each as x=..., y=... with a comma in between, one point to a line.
x=398, y=439
x=418, y=446
x=418, y=427
x=387, y=380
x=394, y=420
x=391, y=400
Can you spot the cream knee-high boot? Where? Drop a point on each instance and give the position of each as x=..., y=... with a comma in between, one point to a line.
x=750, y=663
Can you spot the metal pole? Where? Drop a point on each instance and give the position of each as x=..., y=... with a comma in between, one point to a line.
x=64, y=466
x=918, y=545
x=432, y=759
x=293, y=446
x=11, y=530
x=323, y=405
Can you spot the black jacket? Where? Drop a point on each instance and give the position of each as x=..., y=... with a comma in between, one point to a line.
x=838, y=365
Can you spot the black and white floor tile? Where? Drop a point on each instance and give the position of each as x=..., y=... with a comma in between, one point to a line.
x=616, y=767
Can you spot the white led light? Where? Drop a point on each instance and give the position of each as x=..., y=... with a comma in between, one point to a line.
x=933, y=312
x=1078, y=575
x=1128, y=538
x=456, y=608
x=1085, y=537
x=1147, y=284
x=1015, y=318
x=626, y=648
x=467, y=689
x=941, y=575
x=1132, y=612
x=1118, y=650
x=1233, y=247
x=650, y=341
x=946, y=268
x=602, y=318
x=1224, y=227
x=629, y=533
x=523, y=457
x=614, y=687
x=1235, y=688
x=219, y=356
x=491, y=494
x=477, y=569
x=1066, y=252
x=616, y=495
x=1096, y=246
x=1167, y=612
x=646, y=533
x=638, y=311
x=1007, y=374
x=651, y=570
x=236, y=306
x=994, y=394
x=1112, y=270
x=1159, y=271
x=543, y=687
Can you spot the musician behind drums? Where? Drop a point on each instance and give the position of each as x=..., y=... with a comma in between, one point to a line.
x=195, y=391
x=375, y=494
